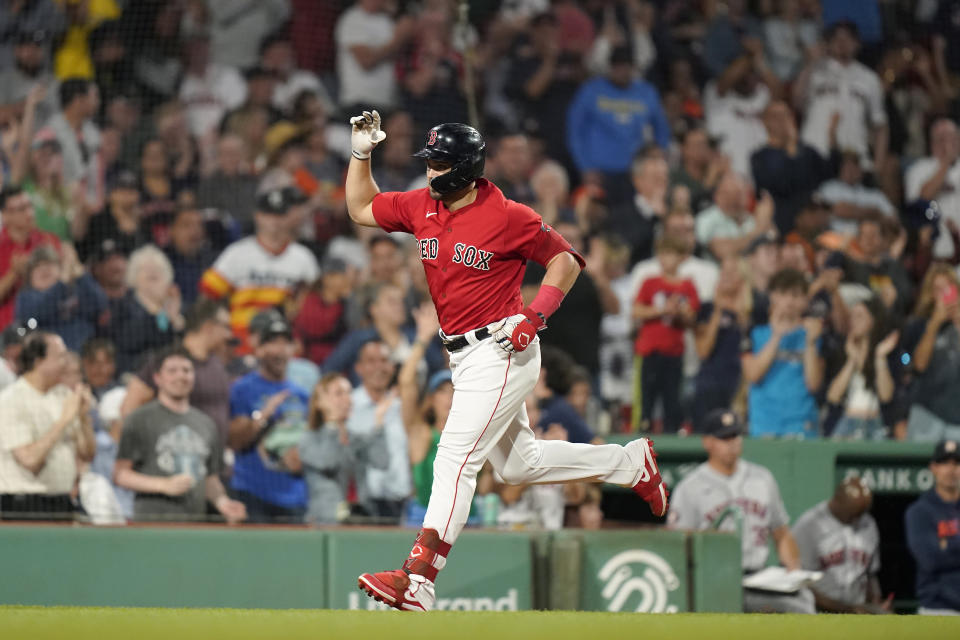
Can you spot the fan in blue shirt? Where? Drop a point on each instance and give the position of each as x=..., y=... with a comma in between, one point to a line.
x=610, y=119
x=268, y=415
x=782, y=363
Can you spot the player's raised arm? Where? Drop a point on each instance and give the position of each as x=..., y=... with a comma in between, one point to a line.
x=360, y=187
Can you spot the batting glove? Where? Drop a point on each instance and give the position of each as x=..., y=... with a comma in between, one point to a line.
x=517, y=332
x=366, y=134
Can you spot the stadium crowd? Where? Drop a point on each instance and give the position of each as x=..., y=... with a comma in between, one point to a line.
x=766, y=195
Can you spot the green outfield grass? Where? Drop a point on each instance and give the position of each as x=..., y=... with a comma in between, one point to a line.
x=76, y=623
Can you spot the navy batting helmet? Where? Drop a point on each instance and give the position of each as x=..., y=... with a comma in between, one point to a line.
x=460, y=146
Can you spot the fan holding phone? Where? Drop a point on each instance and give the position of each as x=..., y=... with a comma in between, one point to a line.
x=932, y=346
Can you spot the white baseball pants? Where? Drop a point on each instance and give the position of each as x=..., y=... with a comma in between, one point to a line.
x=488, y=420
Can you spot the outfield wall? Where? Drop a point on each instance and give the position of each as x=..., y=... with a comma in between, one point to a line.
x=624, y=570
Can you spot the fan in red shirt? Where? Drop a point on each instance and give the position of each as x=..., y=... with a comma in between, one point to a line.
x=474, y=245
x=18, y=238
x=665, y=307
x=320, y=323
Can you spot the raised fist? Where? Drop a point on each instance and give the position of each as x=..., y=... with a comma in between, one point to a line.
x=366, y=134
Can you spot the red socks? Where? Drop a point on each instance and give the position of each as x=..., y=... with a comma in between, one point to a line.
x=428, y=556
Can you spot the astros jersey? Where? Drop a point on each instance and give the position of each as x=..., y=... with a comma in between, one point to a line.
x=254, y=278
x=474, y=258
x=846, y=554
x=703, y=495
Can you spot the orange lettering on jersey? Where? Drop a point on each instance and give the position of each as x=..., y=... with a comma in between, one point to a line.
x=948, y=528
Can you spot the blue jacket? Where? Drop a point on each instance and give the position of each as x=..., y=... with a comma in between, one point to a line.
x=72, y=311
x=933, y=537
x=607, y=125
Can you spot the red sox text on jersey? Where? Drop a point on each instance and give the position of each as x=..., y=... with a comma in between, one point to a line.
x=467, y=255
x=474, y=258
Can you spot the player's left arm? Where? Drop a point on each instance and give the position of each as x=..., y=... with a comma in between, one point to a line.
x=787, y=549
x=527, y=236
x=518, y=331
x=562, y=271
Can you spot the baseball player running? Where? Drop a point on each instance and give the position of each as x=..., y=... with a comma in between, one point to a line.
x=474, y=245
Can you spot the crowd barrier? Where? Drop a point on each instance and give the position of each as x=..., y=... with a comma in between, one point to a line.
x=623, y=570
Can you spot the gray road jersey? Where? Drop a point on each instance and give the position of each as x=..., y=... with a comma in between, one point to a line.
x=846, y=554
x=704, y=493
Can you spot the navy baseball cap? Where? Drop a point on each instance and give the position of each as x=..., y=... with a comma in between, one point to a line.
x=946, y=450
x=14, y=334
x=125, y=179
x=276, y=329
x=107, y=248
x=721, y=423
x=278, y=201
x=260, y=322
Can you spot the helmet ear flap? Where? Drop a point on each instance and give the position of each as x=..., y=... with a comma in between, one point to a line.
x=460, y=175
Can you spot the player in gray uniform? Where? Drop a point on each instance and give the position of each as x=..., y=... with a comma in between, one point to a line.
x=725, y=480
x=840, y=538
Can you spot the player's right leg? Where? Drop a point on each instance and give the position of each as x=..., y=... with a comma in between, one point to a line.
x=520, y=458
x=489, y=389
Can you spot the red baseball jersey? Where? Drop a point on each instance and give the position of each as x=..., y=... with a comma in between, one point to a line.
x=474, y=257
x=661, y=335
x=9, y=249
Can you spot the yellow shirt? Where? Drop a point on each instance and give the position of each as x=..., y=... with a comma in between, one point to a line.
x=73, y=59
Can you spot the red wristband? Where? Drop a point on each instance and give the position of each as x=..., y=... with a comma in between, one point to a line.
x=547, y=301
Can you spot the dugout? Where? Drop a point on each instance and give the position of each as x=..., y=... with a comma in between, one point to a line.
x=807, y=472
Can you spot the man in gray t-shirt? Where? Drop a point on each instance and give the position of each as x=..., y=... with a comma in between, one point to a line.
x=840, y=538
x=726, y=483
x=170, y=453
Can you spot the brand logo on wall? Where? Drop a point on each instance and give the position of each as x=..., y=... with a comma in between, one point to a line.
x=638, y=580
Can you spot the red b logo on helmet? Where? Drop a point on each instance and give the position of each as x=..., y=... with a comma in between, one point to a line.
x=432, y=138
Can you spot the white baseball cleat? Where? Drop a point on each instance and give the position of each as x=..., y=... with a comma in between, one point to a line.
x=406, y=592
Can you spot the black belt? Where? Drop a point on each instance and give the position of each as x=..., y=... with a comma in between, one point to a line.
x=455, y=344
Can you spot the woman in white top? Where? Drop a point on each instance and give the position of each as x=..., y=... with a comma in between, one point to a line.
x=864, y=382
